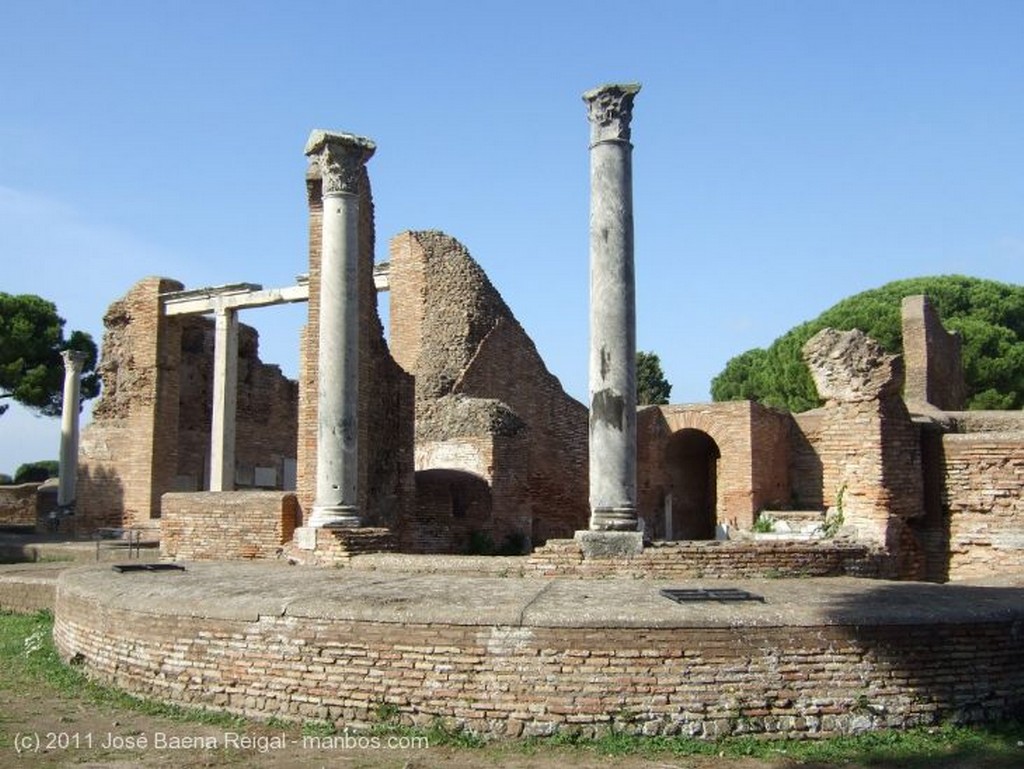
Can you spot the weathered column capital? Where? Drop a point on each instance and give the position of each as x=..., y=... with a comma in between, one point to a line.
x=340, y=156
x=610, y=110
x=74, y=360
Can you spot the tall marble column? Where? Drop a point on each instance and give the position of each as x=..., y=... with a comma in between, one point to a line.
x=612, y=311
x=225, y=400
x=341, y=157
x=73, y=363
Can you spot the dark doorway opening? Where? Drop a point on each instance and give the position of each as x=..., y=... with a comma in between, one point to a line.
x=691, y=458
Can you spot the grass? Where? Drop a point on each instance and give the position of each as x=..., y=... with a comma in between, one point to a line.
x=28, y=660
x=1000, y=745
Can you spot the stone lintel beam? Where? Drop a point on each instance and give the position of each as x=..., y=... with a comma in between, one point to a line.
x=238, y=296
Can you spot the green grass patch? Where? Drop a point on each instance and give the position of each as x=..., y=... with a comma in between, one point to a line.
x=999, y=745
x=28, y=657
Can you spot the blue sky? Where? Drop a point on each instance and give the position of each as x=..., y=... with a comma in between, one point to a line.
x=787, y=154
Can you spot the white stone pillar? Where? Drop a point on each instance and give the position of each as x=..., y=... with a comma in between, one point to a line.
x=225, y=400
x=341, y=157
x=612, y=311
x=73, y=363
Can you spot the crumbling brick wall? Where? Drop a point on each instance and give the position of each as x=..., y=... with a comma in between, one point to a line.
x=150, y=431
x=471, y=490
x=128, y=453
x=451, y=329
x=932, y=356
x=385, y=482
x=868, y=446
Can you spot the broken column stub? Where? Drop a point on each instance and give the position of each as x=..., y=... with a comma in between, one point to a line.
x=612, y=311
x=341, y=157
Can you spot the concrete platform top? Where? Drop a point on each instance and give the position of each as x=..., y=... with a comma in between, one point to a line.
x=246, y=590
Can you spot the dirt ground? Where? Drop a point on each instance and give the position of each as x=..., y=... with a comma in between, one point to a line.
x=39, y=727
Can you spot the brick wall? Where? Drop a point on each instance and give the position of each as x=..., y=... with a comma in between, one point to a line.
x=337, y=547
x=128, y=452
x=869, y=448
x=18, y=504
x=932, y=356
x=226, y=524
x=806, y=474
x=451, y=329
x=871, y=466
x=704, y=682
x=265, y=416
x=717, y=560
x=984, y=476
x=987, y=421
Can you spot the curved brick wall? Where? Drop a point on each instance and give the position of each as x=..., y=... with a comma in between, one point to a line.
x=533, y=656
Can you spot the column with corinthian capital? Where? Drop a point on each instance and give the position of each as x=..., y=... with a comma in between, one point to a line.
x=612, y=311
x=341, y=157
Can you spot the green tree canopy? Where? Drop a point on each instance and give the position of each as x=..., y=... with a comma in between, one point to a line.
x=651, y=386
x=31, y=341
x=37, y=472
x=989, y=315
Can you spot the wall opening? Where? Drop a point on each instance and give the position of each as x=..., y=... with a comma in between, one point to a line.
x=453, y=510
x=690, y=510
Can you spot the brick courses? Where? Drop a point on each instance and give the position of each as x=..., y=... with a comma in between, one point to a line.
x=932, y=356
x=451, y=329
x=128, y=454
x=984, y=478
x=837, y=676
x=227, y=524
x=717, y=560
x=18, y=504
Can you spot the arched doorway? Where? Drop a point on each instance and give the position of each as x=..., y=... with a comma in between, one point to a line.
x=691, y=459
x=451, y=507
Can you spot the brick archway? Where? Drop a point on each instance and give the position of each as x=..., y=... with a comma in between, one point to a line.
x=729, y=426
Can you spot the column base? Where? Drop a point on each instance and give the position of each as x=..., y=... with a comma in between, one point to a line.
x=614, y=519
x=334, y=517
x=610, y=544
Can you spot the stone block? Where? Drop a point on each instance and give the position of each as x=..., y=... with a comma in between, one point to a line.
x=610, y=544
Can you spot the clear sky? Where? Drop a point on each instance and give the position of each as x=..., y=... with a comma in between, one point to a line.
x=787, y=154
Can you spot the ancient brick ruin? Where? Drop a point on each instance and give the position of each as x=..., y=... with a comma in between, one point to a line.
x=467, y=443
x=451, y=436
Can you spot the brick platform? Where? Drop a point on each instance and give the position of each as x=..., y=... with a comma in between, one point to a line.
x=530, y=655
